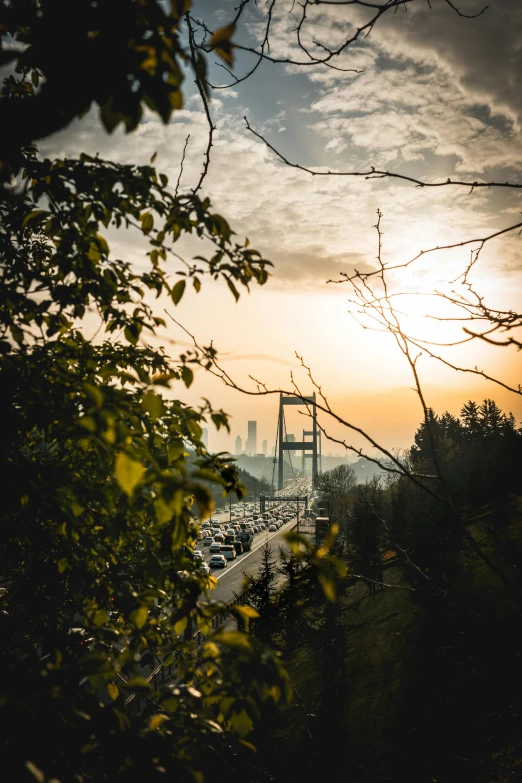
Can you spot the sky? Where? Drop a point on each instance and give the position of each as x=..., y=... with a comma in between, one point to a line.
x=436, y=96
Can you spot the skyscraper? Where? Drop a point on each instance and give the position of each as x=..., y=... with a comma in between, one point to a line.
x=251, y=444
x=239, y=445
x=204, y=437
x=264, y=448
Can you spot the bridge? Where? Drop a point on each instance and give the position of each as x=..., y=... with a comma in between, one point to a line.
x=283, y=444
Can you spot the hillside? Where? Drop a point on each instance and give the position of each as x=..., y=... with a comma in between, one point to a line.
x=402, y=685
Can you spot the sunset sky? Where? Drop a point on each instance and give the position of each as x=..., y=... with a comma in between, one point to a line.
x=438, y=96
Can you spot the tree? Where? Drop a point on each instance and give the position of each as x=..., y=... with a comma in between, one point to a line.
x=336, y=487
x=261, y=587
x=101, y=503
x=366, y=534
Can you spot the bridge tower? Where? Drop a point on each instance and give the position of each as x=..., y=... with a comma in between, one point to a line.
x=304, y=456
x=304, y=445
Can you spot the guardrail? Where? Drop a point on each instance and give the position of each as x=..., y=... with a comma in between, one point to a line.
x=162, y=672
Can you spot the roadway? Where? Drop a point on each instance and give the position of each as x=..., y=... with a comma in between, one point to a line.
x=230, y=579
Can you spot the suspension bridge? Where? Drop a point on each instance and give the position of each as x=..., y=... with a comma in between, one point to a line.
x=290, y=480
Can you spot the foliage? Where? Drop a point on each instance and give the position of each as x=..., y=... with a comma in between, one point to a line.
x=101, y=501
x=366, y=533
x=261, y=586
x=120, y=57
x=335, y=486
x=478, y=456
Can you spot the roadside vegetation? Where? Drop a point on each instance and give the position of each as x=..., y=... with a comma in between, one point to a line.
x=412, y=673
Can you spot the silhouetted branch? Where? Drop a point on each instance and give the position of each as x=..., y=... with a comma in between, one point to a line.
x=181, y=165
x=202, y=91
x=373, y=173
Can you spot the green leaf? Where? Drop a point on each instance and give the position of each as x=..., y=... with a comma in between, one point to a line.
x=233, y=639
x=113, y=690
x=187, y=375
x=32, y=217
x=157, y=720
x=147, y=223
x=153, y=404
x=138, y=683
x=180, y=626
x=100, y=618
x=327, y=582
x=128, y=472
x=139, y=617
x=247, y=611
x=132, y=332
x=35, y=771
x=178, y=291
x=62, y=565
x=222, y=44
x=241, y=723
x=164, y=512
x=233, y=288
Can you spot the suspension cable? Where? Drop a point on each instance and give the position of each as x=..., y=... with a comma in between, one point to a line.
x=274, y=461
x=289, y=451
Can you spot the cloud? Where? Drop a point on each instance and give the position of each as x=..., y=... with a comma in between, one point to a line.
x=425, y=104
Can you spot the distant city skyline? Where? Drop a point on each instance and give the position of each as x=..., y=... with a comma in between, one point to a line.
x=251, y=444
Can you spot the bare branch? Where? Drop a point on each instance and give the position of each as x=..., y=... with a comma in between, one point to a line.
x=373, y=173
x=181, y=164
x=201, y=89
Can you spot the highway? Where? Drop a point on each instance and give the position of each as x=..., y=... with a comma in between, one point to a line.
x=230, y=579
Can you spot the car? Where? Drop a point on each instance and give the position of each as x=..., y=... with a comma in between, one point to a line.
x=217, y=561
x=228, y=552
x=272, y=528
x=203, y=568
x=215, y=547
x=219, y=537
x=208, y=541
x=198, y=554
x=238, y=546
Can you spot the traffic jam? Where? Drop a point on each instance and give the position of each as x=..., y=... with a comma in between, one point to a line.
x=231, y=533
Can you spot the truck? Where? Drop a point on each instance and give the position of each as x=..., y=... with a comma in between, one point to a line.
x=246, y=540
